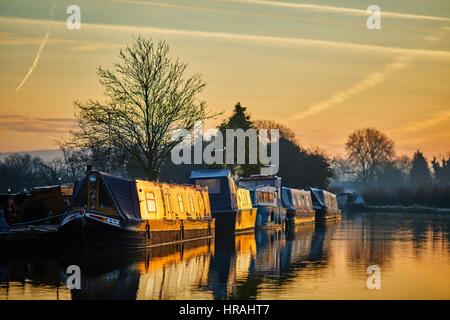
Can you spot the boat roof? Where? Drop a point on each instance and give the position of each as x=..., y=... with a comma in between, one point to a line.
x=259, y=177
x=202, y=174
x=261, y=188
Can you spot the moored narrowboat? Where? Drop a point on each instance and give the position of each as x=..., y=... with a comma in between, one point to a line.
x=269, y=214
x=231, y=207
x=299, y=206
x=325, y=204
x=111, y=211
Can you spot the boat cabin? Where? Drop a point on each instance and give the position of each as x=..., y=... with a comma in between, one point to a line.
x=231, y=206
x=260, y=180
x=223, y=192
x=140, y=199
x=296, y=199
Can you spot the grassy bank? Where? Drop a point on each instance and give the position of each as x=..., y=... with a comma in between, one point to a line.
x=434, y=196
x=406, y=209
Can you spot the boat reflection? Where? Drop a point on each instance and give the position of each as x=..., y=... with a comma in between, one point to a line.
x=166, y=272
x=238, y=271
x=230, y=267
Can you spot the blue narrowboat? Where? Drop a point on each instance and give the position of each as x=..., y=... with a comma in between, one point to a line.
x=325, y=204
x=231, y=206
x=299, y=206
x=269, y=214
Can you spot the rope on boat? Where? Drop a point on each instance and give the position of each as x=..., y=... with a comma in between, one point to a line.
x=38, y=220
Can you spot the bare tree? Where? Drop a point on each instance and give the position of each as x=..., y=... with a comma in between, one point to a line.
x=285, y=132
x=149, y=96
x=369, y=149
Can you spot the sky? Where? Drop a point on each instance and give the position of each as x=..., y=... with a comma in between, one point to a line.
x=313, y=66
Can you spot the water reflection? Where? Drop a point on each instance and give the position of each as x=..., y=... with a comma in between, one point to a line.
x=308, y=262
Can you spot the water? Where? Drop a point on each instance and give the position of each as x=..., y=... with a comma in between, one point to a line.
x=311, y=262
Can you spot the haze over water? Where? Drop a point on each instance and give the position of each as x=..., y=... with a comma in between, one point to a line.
x=310, y=262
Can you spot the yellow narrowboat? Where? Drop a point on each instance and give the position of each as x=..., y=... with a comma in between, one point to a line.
x=107, y=210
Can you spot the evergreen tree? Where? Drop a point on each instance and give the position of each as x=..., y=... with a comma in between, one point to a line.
x=240, y=119
x=419, y=175
x=441, y=171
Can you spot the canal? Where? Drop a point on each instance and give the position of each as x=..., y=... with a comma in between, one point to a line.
x=410, y=251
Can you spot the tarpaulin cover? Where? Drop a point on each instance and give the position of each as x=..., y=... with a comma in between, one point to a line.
x=317, y=197
x=124, y=195
x=286, y=197
x=122, y=192
x=222, y=198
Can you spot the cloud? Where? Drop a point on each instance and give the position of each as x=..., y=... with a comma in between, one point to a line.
x=38, y=54
x=27, y=124
x=318, y=7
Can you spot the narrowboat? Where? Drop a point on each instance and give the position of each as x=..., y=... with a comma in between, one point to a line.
x=272, y=183
x=299, y=206
x=351, y=200
x=325, y=204
x=231, y=207
x=269, y=214
x=110, y=211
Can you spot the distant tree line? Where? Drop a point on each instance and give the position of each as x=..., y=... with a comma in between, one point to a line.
x=385, y=179
x=298, y=167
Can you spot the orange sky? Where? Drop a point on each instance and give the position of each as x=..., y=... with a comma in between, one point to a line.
x=316, y=68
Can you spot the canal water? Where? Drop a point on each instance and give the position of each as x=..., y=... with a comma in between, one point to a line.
x=410, y=251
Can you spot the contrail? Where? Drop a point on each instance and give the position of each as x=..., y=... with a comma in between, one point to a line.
x=38, y=54
x=274, y=40
x=268, y=15
x=371, y=80
x=318, y=7
x=421, y=125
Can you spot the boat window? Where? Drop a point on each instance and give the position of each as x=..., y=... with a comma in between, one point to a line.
x=247, y=198
x=200, y=204
x=180, y=203
x=260, y=196
x=270, y=197
x=151, y=203
x=167, y=196
x=191, y=202
x=297, y=201
x=212, y=184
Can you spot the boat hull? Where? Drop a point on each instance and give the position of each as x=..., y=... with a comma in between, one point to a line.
x=270, y=217
x=327, y=214
x=85, y=231
x=234, y=221
x=296, y=217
